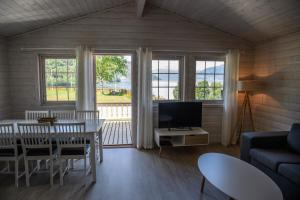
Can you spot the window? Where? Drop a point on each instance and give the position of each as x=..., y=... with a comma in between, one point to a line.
x=209, y=82
x=58, y=79
x=165, y=79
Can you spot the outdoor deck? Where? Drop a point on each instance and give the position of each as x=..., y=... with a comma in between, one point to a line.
x=117, y=132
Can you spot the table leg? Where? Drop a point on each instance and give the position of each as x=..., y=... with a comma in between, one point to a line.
x=71, y=164
x=100, y=145
x=93, y=158
x=160, y=150
x=202, y=184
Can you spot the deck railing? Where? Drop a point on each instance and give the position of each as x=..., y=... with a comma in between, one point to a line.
x=114, y=110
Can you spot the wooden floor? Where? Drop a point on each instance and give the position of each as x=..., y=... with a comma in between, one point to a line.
x=117, y=132
x=126, y=174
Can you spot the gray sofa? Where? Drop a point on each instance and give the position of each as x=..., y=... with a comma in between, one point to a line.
x=278, y=155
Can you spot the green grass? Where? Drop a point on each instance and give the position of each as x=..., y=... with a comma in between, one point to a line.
x=69, y=94
x=106, y=98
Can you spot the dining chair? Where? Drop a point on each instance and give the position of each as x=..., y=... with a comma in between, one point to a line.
x=36, y=143
x=36, y=114
x=87, y=114
x=63, y=114
x=72, y=144
x=9, y=149
x=83, y=115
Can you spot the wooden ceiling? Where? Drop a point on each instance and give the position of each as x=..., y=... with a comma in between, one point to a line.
x=254, y=20
x=19, y=16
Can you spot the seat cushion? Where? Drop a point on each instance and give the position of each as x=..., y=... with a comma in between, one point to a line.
x=271, y=158
x=10, y=152
x=294, y=138
x=290, y=171
x=73, y=151
x=40, y=151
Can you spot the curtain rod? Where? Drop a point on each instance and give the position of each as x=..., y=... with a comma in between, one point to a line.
x=189, y=51
x=37, y=48
x=159, y=50
x=129, y=49
x=108, y=49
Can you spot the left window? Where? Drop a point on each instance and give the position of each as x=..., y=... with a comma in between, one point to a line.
x=58, y=78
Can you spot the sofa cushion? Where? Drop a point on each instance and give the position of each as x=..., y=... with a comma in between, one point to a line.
x=271, y=158
x=290, y=171
x=294, y=138
x=73, y=150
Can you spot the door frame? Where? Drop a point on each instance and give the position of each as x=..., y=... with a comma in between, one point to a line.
x=134, y=78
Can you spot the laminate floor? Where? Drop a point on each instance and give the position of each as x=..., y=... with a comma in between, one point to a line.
x=126, y=174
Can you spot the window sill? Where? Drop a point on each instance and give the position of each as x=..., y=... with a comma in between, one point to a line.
x=63, y=104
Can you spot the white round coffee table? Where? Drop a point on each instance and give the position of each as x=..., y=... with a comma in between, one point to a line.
x=236, y=178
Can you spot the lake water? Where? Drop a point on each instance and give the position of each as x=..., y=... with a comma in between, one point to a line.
x=163, y=92
x=165, y=80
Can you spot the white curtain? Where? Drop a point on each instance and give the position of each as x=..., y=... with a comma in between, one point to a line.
x=144, y=115
x=230, y=95
x=85, y=77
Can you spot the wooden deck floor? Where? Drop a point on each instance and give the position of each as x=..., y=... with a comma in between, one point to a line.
x=117, y=132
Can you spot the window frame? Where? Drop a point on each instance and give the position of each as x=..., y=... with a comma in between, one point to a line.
x=168, y=56
x=215, y=58
x=43, y=89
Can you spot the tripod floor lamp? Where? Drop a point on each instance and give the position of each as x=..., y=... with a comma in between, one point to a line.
x=246, y=86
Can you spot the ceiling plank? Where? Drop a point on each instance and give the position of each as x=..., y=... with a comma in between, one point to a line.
x=140, y=5
x=252, y=20
x=21, y=16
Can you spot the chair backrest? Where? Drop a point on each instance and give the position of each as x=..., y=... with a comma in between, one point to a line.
x=70, y=140
x=7, y=137
x=76, y=127
x=63, y=114
x=87, y=114
x=36, y=114
x=35, y=135
x=70, y=135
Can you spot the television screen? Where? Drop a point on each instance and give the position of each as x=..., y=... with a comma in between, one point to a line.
x=179, y=114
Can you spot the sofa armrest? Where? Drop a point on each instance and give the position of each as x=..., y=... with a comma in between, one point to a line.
x=264, y=140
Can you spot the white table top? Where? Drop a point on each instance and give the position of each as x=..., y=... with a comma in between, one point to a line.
x=237, y=178
x=91, y=126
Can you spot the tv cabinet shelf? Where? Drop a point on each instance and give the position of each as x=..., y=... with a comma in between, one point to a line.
x=179, y=138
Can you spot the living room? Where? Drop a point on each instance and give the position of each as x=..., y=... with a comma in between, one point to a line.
x=178, y=99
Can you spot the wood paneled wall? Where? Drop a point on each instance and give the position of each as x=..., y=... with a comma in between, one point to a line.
x=118, y=28
x=4, y=87
x=278, y=64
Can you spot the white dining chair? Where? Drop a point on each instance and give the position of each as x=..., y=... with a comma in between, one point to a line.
x=87, y=114
x=9, y=150
x=36, y=142
x=63, y=114
x=36, y=114
x=83, y=115
x=72, y=144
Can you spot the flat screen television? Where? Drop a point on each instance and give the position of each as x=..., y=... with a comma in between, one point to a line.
x=179, y=114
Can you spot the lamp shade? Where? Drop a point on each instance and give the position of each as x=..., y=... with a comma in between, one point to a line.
x=249, y=85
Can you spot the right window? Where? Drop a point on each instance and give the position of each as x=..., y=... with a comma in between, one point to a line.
x=209, y=80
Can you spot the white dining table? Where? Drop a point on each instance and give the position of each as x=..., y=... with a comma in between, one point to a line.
x=93, y=128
